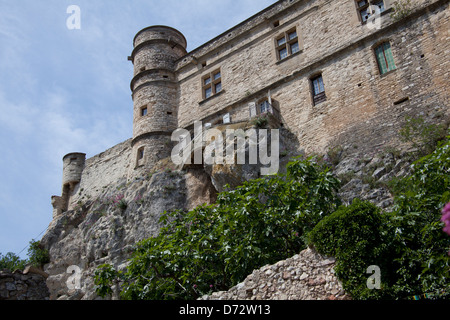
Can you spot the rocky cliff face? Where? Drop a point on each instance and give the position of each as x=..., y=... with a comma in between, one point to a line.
x=104, y=230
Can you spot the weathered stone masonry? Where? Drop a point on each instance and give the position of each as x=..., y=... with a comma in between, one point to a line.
x=362, y=107
x=314, y=64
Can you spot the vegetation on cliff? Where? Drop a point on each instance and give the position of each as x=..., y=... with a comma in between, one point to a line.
x=214, y=247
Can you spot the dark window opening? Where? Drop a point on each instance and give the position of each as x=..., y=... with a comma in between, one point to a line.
x=318, y=88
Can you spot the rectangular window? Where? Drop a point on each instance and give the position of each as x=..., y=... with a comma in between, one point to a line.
x=318, y=88
x=140, y=157
x=264, y=107
x=141, y=154
x=384, y=57
x=366, y=8
x=144, y=111
x=212, y=84
x=287, y=44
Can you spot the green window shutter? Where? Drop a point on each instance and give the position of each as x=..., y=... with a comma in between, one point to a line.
x=389, y=56
x=379, y=52
x=384, y=58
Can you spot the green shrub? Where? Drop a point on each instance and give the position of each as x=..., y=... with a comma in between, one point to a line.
x=409, y=244
x=37, y=255
x=356, y=236
x=11, y=262
x=423, y=262
x=216, y=247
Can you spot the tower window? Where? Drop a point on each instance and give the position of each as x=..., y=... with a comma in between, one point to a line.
x=212, y=84
x=384, y=57
x=318, y=89
x=144, y=111
x=141, y=154
x=287, y=44
x=140, y=157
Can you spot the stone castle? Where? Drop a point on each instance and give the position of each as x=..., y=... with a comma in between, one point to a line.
x=329, y=72
x=341, y=70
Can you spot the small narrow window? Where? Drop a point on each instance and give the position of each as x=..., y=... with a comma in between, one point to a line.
x=318, y=89
x=140, y=157
x=141, y=154
x=144, y=111
x=287, y=45
x=212, y=84
x=384, y=57
x=264, y=107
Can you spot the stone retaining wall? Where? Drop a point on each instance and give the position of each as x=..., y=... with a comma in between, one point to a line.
x=26, y=285
x=306, y=276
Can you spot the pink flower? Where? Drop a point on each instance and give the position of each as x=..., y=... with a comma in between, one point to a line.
x=446, y=218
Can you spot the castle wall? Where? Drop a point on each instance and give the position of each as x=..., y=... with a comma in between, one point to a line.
x=334, y=43
x=108, y=168
x=363, y=108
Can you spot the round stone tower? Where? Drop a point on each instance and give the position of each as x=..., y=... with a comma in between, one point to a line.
x=73, y=166
x=154, y=87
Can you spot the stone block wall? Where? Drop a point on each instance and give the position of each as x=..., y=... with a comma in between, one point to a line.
x=306, y=276
x=19, y=286
x=108, y=168
x=361, y=103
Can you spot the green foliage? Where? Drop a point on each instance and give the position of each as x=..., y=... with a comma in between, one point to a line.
x=216, y=247
x=408, y=244
x=11, y=262
x=356, y=236
x=402, y=9
x=104, y=276
x=37, y=255
x=425, y=137
x=260, y=121
x=423, y=262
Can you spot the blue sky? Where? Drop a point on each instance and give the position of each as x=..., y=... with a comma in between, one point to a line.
x=65, y=91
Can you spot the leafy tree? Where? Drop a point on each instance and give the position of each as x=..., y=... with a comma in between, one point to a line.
x=11, y=262
x=215, y=247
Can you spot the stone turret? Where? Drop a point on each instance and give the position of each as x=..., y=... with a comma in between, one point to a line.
x=154, y=87
x=73, y=166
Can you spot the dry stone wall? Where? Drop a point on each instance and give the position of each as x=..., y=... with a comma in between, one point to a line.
x=25, y=285
x=306, y=276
